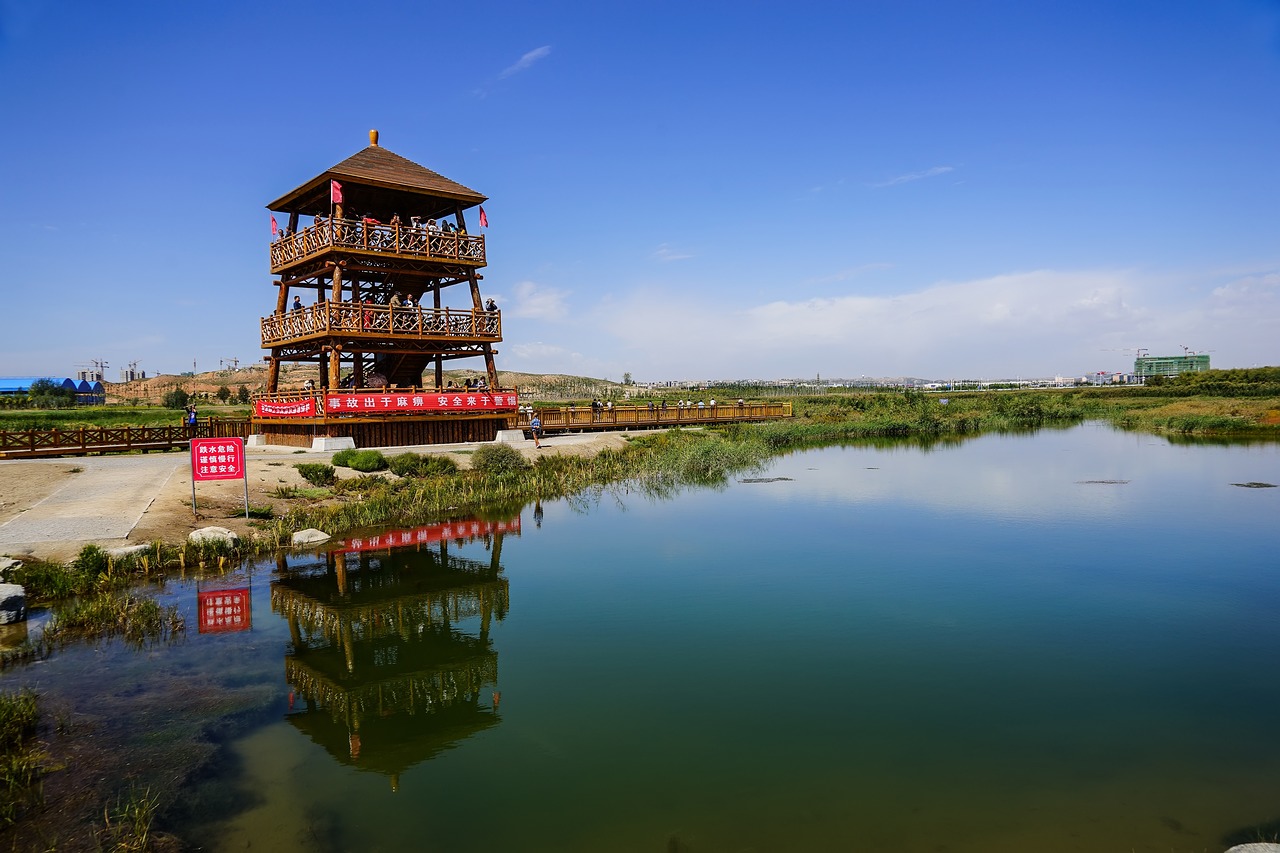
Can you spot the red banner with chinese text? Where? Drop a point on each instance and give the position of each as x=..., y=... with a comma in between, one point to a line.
x=450, y=401
x=285, y=408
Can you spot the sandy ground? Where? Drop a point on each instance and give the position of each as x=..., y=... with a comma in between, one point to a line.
x=51, y=508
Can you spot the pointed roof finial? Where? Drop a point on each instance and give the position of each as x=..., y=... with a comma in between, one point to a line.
x=373, y=137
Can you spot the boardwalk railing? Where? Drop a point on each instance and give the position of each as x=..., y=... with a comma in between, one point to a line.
x=360, y=235
x=85, y=440
x=582, y=417
x=356, y=318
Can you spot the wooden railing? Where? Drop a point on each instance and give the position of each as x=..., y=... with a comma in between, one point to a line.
x=366, y=318
x=85, y=440
x=365, y=236
x=582, y=417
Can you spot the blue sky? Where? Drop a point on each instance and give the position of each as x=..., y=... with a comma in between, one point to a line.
x=677, y=190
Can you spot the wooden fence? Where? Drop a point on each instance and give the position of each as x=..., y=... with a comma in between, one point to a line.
x=31, y=443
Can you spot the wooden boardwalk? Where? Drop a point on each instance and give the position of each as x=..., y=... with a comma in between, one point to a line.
x=582, y=418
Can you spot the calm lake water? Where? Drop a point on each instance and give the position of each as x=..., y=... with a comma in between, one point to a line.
x=1057, y=641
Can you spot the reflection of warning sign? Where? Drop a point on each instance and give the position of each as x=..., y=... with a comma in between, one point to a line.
x=224, y=610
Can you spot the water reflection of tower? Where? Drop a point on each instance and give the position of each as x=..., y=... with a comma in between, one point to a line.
x=390, y=644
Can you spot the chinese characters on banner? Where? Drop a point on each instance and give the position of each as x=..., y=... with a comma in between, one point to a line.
x=460, y=401
x=285, y=409
x=217, y=458
x=224, y=610
x=467, y=529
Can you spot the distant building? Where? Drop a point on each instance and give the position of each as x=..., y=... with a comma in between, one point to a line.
x=87, y=393
x=1170, y=365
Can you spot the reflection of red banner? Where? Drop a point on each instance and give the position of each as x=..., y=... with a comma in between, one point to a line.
x=280, y=409
x=224, y=610
x=426, y=535
x=459, y=401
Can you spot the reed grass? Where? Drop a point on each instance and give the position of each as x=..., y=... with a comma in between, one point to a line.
x=21, y=763
x=127, y=827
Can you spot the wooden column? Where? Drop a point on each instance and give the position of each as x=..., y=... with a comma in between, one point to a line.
x=335, y=367
x=336, y=292
x=273, y=374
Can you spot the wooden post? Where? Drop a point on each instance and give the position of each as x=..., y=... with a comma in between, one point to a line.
x=335, y=368
x=435, y=292
x=337, y=284
x=273, y=373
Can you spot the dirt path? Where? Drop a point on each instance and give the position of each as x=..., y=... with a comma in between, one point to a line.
x=52, y=508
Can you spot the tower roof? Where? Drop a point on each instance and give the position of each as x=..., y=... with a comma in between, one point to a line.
x=377, y=180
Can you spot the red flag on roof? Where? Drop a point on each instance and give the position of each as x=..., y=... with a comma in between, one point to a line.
x=274, y=227
x=484, y=220
x=335, y=192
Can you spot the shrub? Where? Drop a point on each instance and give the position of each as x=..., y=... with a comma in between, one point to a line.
x=316, y=473
x=368, y=460
x=497, y=460
x=437, y=466
x=416, y=465
x=343, y=458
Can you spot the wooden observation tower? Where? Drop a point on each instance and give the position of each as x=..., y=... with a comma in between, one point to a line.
x=378, y=286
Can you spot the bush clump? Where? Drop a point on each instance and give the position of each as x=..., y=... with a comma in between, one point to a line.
x=342, y=458
x=497, y=460
x=368, y=460
x=316, y=473
x=417, y=465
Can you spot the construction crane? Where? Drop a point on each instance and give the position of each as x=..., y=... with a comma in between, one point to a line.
x=233, y=363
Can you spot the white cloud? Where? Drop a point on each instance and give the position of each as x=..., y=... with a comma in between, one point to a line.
x=916, y=176
x=665, y=252
x=1036, y=323
x=526, y=62
x=538, y=302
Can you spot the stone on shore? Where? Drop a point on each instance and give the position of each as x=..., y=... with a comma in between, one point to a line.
x=310, y=536
x=127, y=550
x=7, y=563
x=1256, y=847
x=213, y=534
x=13, y=604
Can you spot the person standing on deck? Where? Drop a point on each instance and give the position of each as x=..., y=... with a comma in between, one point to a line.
x=297, y=303
x=535, y=428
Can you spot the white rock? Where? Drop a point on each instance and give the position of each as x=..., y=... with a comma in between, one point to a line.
x=7, y=563
x=1256, y=847
x=213, y=534
x=310, y=536
x=13, y=603
x=126, y=550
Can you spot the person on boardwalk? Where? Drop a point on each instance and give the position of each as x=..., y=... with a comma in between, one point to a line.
x=297, y=303
x=535, y=428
